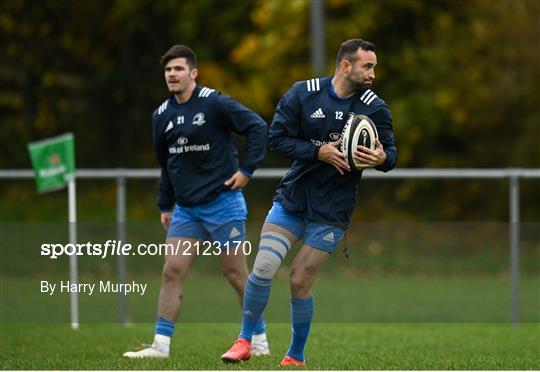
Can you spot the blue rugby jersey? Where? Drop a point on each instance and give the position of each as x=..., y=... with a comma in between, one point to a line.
x=196, y=149
x=308, y=116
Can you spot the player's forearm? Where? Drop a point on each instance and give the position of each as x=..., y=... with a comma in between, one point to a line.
x=391, y=160
x=293, y=148
x=256, y=140
x=165, y=193
x=383, y=121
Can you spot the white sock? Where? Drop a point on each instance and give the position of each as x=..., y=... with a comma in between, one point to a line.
x=162, y=343
x=259, y=338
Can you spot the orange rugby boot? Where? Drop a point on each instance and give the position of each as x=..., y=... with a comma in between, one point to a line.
x=240, y=351
x=291, y=362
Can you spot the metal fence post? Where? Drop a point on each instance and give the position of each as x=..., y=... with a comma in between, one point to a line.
x=318, y=36
x=514, y=250
x=121, y=234
x=73, y=265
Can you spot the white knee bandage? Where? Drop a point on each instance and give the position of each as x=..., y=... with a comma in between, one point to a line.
x=272, y=250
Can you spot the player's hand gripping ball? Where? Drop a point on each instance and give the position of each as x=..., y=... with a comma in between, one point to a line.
x=358, y=131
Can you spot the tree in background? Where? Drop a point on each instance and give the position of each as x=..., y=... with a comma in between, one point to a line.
x=460, y=76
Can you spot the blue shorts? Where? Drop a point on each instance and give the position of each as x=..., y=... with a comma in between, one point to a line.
x=316, y=235
x=221, y=220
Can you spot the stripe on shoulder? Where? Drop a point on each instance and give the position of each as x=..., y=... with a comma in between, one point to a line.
x=205, y=92
x=162, y=107
x=313, y=85
x=368, y=97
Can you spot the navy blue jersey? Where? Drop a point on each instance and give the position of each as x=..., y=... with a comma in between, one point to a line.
x=196, y=148
x=308, y=116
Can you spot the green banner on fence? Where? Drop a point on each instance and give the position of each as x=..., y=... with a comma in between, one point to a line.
x=53, y=161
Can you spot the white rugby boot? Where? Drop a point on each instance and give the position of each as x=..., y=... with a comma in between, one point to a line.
x=159, y=349
x=259, y=345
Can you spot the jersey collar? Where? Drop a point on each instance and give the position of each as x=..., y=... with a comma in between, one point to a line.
x=334, y=95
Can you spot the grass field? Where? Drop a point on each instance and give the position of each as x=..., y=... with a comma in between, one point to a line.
x=338, y=298
x=331, y=346
x=360, y=323
x=431, y=297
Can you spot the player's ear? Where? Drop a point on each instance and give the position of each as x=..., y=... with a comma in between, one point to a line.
x=194, y=73
x=346, y=66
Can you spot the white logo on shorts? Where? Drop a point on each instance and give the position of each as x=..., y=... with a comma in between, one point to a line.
x=234, y=233
x=329, y=237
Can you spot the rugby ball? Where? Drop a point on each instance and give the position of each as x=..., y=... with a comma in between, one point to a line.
x=358, y=131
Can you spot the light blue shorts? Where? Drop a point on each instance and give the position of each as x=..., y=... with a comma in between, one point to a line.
x=221, y=220
x=316, y=235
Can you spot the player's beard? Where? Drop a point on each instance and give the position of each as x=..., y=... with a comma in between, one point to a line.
x=175, y=90
x=179, y=87
x=359, y=83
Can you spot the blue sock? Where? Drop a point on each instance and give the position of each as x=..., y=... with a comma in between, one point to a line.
x=164, y=327
x=256, y=296
x=260, y=326
x=301, y=313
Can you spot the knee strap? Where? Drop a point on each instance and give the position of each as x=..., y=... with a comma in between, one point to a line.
x=272, y=250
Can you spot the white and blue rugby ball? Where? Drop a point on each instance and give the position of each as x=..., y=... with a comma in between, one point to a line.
x=358, y=131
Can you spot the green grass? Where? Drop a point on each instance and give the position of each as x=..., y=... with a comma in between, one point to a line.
x=403, y=346
x=433, y=296
x=459, y=248
x=396, y=299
